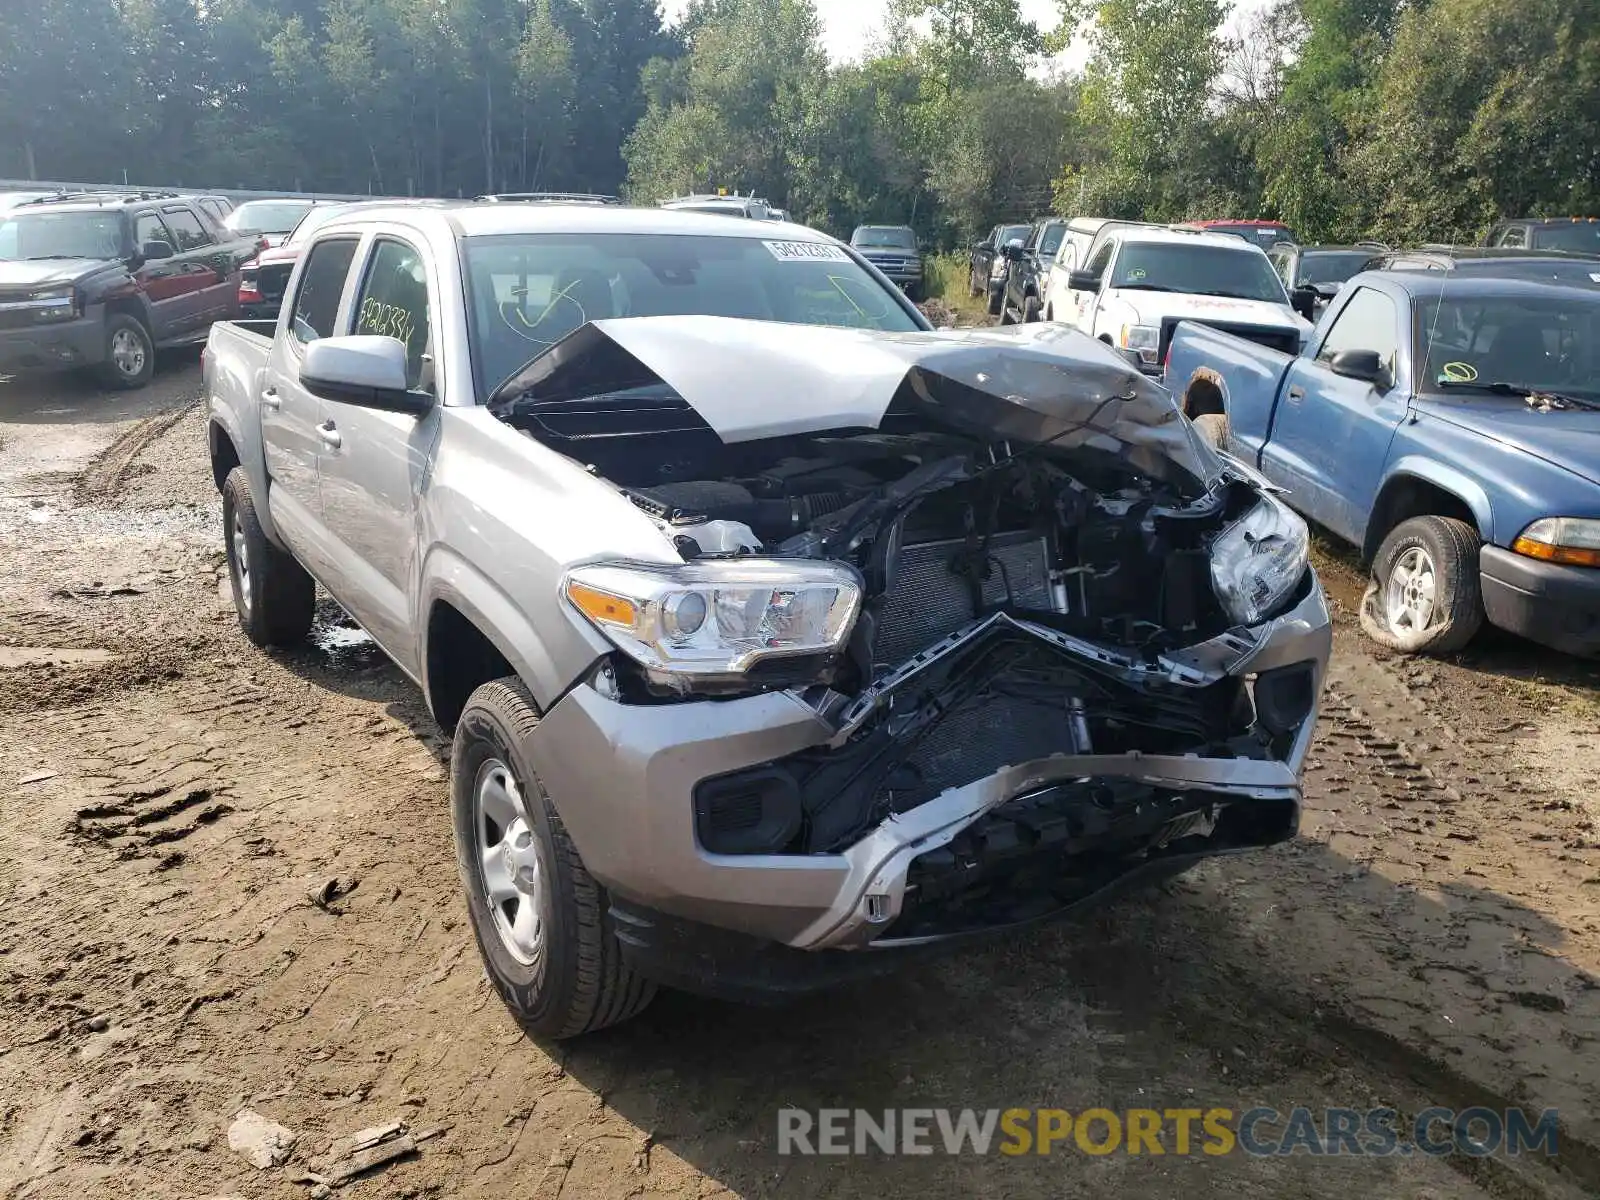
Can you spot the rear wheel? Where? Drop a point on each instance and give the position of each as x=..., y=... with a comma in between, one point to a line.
x=130, y=356
x=997, y=300
x=1030, y=310
x=1425, y=596
x=273, y=595
x=542, y=923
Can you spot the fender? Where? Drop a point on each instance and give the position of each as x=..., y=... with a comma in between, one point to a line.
x=451, y=578
x=1440, y=475
x=245, y=435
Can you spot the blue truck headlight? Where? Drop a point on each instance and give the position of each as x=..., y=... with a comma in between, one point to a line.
x=1258, y=560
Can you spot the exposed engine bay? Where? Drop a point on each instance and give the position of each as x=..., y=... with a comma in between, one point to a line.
x=1019, y=570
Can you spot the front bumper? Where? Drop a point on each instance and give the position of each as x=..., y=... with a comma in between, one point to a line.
x=58, y=346
x=623, y=778
x=1555, y=605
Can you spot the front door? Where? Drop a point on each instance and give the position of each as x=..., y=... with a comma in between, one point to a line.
x=373, y=474
x=1330, y=435
x=172, y=296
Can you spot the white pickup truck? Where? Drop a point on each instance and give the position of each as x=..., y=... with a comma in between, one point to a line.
x=779, y=635
x=1138, y=282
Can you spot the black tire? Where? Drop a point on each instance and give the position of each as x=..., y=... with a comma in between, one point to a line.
x=576, y=981
x=1213, y=428
x=1030, y=310
x=973, y=290
x=130, y=355
x=997, y=300
x=1450, y=548
x=273, y=595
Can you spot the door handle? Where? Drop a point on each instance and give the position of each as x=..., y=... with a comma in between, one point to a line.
x=271, y=399
x=329, y=433
x=1297, y=393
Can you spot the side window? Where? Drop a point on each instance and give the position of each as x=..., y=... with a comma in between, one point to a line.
x=1067, y=257
x=147, y=227
x=316, y=305
x=1101, y=260
x=186, y=228
x=394, y=303
x=1368, y=322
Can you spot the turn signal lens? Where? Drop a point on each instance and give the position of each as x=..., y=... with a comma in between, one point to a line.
x=601, y=606
x=1570, y=541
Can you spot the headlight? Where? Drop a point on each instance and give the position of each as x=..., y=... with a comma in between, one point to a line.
x=55, y=304
x=1146, y=339
x=1258, y=560
x=711, y=619
x=1574, y=541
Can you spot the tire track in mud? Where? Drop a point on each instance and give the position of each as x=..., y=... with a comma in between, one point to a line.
x=103, y=477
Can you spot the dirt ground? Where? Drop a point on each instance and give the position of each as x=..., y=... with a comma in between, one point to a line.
x=226, y=880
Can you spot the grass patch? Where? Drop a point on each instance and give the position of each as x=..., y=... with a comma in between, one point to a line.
x=944, y=277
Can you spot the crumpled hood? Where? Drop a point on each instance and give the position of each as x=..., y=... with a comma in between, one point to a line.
x=760, y=379
x=46, y=272
x=1568, y=438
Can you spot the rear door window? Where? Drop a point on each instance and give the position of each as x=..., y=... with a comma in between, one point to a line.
x=147, y=228
x=316, y=304
x=186, y=227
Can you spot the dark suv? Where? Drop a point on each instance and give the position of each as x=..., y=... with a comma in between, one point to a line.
x=102, y=281
x=1023, y=296
x=893, y=250
x=1570, y=235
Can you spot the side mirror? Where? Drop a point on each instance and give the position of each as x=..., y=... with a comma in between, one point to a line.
x=1083, y=281
x=1304, y=300
x=362, y=369
x=1358, y=364
x=152, y=251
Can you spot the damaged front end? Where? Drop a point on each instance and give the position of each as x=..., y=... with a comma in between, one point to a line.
x=1032, y=637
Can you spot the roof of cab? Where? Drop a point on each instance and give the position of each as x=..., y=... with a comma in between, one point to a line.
x=1447, y=284
x=472, y=219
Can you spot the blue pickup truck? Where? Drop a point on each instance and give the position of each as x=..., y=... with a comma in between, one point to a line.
x=1448, y=427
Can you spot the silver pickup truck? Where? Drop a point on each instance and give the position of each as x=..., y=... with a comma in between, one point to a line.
x=781, y=637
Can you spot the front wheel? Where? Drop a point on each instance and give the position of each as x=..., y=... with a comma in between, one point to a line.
x=542, y=923
x=1425, y=595
x=130, y=355
x=997, y=303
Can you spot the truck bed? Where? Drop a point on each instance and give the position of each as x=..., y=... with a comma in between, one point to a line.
x=1247, y=375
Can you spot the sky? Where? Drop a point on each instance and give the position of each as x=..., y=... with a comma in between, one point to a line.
x=849, y=25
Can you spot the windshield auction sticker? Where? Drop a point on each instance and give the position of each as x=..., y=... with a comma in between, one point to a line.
x=806, y=252
x=1458, y=372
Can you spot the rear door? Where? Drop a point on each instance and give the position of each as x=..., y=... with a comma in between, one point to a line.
x=373, y=473
x=210, y=266
x=1330, y=435
x=291, y=416
x=164, y=281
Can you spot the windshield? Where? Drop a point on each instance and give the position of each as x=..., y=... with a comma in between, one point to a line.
x=1333, y=266
x=1198, y=270
x=266, y=216
x=1581, y=237
x=314, y=220
x=528, y=291
x=1050, y=240
x=1012, y=233
x=894, y=236
x=1547, y=343
x=92, y=234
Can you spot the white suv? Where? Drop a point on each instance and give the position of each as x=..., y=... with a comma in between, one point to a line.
x=1140, y=281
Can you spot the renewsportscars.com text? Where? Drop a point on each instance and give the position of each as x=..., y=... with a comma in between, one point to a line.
x=1260, y=1132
